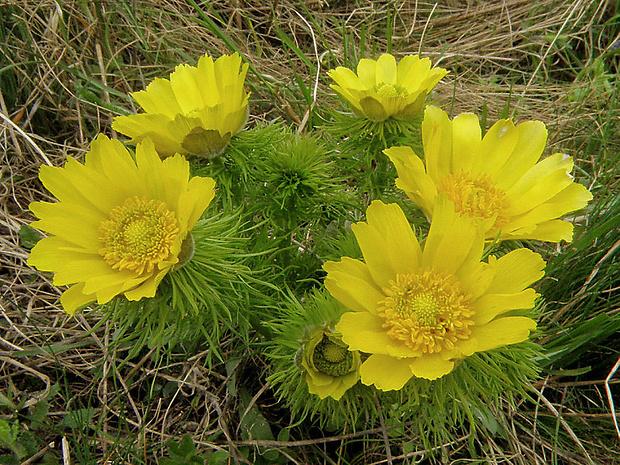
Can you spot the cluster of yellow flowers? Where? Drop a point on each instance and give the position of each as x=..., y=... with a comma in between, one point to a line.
x=416, y=309
x=120, y=223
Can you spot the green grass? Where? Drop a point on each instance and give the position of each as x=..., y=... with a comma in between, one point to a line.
x=67, y=68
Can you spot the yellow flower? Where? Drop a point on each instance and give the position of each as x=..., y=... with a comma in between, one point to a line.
x=497, y=179
x=419, y=311
x=382, y=89
x=196, y=112
x=331, y=368
x=119, y=224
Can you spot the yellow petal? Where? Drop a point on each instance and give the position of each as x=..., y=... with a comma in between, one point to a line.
x=415, y=77
x=349, y=97
x=151, y=171
x=453, y=241
x=147, y=288
x=550, y=231
x=70, y=263
x=176, y=181
x=185, y=88
x=406, y=70
x=466, y=139
x=93, y=272
x=344, y=384
x=367, y=72
x=110, y=157
x=502, y=332
x=345, y=78
x=195, y=201
x=77, y=184
x=516, y=270
x=165, y=180
x=543, y=181
x=476, y=276
x=363, y=331
x=72, y=222
x=437, y=141
x=101, y=277
x=412, y=177
x=328, y=386
x=432, y=79
x=386, y=373
x=572, y=197
x=158, y=98
x=411, y=107
x=430, y=366
x=162, y=130
x=387, y=242
x=228, y=75
x=317, y=378
x=223, y=119
x=531, y=141
x=490, y=306
x=391, y=104
x=496, y=147
x=73, y=298
x=106, y=294
x=386, y=69
x=208, y=81
x=351, y=283
x=323, y=390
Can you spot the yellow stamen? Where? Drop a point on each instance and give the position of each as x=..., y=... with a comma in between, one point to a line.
x=427, y=311
x=475, y=195
x=388, y=90
x=138, y=235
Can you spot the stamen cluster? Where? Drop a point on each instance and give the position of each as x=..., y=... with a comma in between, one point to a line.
x=427, y=311
x=138, y=235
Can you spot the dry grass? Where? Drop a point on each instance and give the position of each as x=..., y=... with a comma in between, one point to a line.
x=65, y=70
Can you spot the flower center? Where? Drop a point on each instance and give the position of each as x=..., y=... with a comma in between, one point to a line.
x=388, y=90
x=427, y=311
x=138, y=235
x=331, y=358
x=476, y=196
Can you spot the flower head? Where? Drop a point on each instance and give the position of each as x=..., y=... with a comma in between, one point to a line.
x=312, y=370
x=382, y=89
x=331, y=368
x=119, y=225
x=419, y=311
x=196, y=111
x=496, y=179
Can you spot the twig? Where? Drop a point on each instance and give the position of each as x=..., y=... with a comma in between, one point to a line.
x=544, y=57
x=424, y=451
x=46, y=379
x=37, y=456
x=66, y=453
x=610, y=398
x=304, y=120
x=22, y=133
x=232, y=445
x=566, y=426
x=428, y=20
x=253, y=402
x=386, y=440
